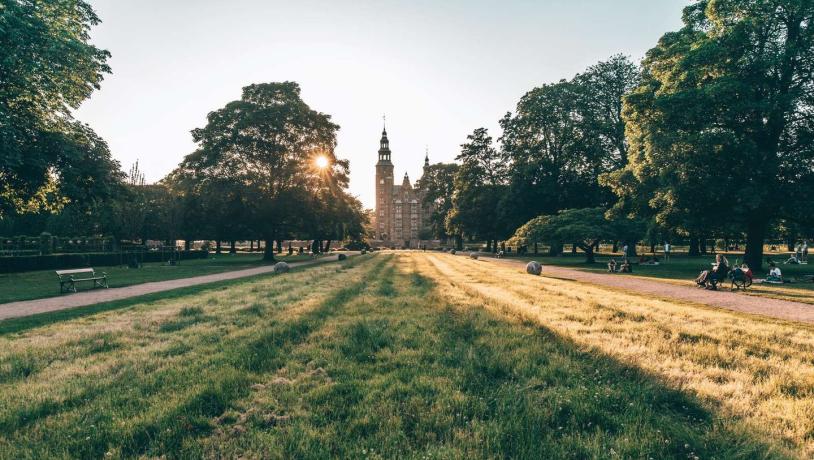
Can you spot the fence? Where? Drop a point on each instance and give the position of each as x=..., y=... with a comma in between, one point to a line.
x=48, y=244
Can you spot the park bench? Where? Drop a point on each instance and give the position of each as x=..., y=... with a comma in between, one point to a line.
x=69, y=278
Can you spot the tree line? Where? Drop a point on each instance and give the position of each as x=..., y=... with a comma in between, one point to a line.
x=709, y=136
x=264, y=169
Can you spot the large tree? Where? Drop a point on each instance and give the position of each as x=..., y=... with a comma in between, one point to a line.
x=47, y=68
x=562, y=137
x=479, y=190
x=721, y=126
x=265, y=144
x=438, y=184
x=584, y=227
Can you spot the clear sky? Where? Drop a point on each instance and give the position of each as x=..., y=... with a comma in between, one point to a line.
x=438, y=69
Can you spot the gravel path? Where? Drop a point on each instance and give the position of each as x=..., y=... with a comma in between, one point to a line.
x=775, y=308
x=90, y=297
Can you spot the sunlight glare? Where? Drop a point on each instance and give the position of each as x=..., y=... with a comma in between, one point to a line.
x=321, y=162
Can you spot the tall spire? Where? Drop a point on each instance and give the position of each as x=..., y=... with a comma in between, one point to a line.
x=384, y=125
x=384, y=145
x=426, y=156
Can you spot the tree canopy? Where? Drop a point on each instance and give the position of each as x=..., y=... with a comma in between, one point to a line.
x=721, y=126
x=255, y=168
x=47, y=68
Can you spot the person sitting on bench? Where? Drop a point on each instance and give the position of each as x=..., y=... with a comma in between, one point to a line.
x=718, y=273
x=626, y=267
x=612, y=266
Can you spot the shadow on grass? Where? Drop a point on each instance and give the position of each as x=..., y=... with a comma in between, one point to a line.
x=16, y=325
x=196, y=390
x=472, y=383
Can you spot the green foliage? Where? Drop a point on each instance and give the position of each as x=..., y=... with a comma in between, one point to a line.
x=48, y=68
x=81, y=260
x=562, y=137
x=479, y=186
x=720, y=128
x=254, y=172
x=438, y=184
x=585, y=227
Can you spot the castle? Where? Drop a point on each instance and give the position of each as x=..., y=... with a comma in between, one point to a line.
x=401, y=217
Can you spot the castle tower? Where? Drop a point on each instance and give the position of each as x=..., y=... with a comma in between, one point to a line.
x=384, y=190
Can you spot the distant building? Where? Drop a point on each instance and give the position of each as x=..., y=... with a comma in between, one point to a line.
x=401, y=216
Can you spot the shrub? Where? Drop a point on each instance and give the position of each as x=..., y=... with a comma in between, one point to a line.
x=342, y=257
x=452, y=251
x=473, y=255
x=89, y=259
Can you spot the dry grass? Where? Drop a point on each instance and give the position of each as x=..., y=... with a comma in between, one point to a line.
x=755, y=369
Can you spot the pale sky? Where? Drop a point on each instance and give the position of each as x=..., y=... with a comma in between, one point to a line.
x=438, y=69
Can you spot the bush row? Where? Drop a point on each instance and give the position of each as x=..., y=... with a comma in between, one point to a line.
x=90, y=259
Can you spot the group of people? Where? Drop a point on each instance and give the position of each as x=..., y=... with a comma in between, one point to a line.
x=623, y=267
x=800, y=255
x=710, y=279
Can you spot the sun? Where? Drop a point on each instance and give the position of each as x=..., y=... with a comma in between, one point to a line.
x=322, y=162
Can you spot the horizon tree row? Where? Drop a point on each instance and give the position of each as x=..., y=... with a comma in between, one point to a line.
x=252, y=177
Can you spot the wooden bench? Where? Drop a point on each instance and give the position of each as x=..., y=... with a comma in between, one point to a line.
x=69, y=278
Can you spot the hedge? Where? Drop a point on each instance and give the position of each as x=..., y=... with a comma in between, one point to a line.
x=89, y=259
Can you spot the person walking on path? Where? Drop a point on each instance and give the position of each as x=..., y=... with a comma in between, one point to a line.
x=666, y=251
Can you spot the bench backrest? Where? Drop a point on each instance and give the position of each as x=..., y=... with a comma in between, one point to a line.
x=76, y=271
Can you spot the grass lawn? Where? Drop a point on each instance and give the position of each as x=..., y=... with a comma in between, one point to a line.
x=683, y=270
x=44, y=283
x=409, y=355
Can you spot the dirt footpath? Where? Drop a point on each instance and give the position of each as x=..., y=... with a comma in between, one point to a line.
x=775, y=308
x=85, y=298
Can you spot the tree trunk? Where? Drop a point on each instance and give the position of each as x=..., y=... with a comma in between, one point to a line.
x=615, y=246
x=327, y=246
x=693, y=251
x=232, y=248
x=790, y=240
x=573, y=248
x=251, y=245
x=631, y=249
x=279, y=247
x=755, y=235
x=187, y=245
x=494, y=246
x=488, y=245
x=268, y=253
x=290, y=249
x=535, y=248
x=217, y=247
x=589, y=253
x=459, y=242
x=555, y=249
x=702, y=245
